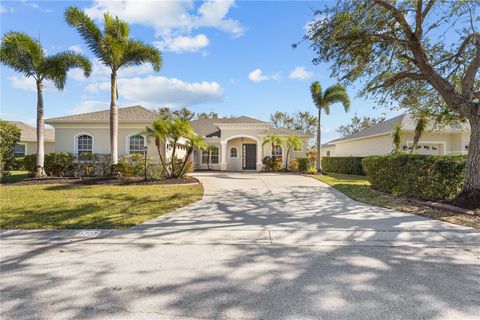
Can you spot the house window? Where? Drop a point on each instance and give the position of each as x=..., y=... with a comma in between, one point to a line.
x=277, y=152
x=233, y=153
x=136, y=144
x=84, y=146
x=328, y=153
x=214, y=156
x=204, y=156
x=19, y=150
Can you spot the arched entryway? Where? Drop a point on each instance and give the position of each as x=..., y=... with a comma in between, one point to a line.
x=241, y=153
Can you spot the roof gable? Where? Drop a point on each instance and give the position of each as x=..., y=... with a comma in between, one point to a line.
x=29, y=133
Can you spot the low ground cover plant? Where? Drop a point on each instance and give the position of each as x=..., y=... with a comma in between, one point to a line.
x=418, y=176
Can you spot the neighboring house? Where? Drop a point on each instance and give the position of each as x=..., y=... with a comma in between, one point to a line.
x=28, y=140
x=377, y=140
x=236, y=141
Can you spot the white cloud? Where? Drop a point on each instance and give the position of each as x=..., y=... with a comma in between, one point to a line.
x=183, y=43
x=24, y=83
x=76, y=47
x=301, y=73
x=36, y=6
x=4, y=9
x=258, y=76
x=100, y=72
x=158, y=90
x=90, y=106
x=170, y=17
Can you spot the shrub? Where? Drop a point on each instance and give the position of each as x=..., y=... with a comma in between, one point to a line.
x=9, y=136
x=419, y=176
x=30, y=162
x=304, y=164
x=131, y=165
x=14, y=164
x=293, y=165
x=312, y=170
x=345, y=165
x=59, y=164
x=271, y=163
x=93, y=165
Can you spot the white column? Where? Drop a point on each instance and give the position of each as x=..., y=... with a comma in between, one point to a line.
x=259, y=156
x=223, y=152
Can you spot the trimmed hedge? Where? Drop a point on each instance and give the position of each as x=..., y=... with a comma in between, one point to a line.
x=304, y=164
x=345, y=165
x=418, y=176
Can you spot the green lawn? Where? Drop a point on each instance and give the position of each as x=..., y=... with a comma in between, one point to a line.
x=15, y=176
x=98, y=206
x=358, y=188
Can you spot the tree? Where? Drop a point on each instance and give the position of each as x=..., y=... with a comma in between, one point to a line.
x=401, y=48
x=116, y=50
x=358, y=124
x=303, y=122
x=171, y=132
x=323, y=100
x=210, y=115
x=273, y=140
x=26, y=56
x=9, y=136
x=184, y=114
x=293, y=142
x=420, y=127
x=397, y=136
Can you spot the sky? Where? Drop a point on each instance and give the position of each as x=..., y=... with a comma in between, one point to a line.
x=232, y=58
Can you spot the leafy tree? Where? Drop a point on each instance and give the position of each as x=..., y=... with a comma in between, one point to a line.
x=116, y=50
x=420, y=127
x=293, y=142
x=303, y=122
x=323, y=100
x=210, y=115
x=273, y=140
x=172, y=132
x=400, y=49
x=397, y=136
x=358, y=124
x=26, y=56
x=184, y=114
x=9, y=136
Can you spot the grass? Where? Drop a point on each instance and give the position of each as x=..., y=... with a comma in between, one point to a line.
x=90, y=207
x=15, y=176
x=358, y=188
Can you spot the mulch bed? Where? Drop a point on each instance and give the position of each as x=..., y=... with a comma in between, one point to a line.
x=100, y=181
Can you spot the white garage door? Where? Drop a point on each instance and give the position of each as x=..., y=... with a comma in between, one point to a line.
x=428, y=148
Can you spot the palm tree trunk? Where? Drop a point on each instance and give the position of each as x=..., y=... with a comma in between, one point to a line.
x=318, y=158
x=114, y=119
x=40, y=171
x=157, y=144
x=286, y=159
x=174, y=150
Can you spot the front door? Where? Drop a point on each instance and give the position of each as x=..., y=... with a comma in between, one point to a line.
x=249, y=159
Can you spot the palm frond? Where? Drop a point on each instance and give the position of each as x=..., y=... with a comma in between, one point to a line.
x=56, y=67
x=420, y=127
x=272, y=139
x=136, y=53
x=22, y=53
x=397, y=136
x=337, y=93
x=88, y=30
x=317, y=95
x=294, y=142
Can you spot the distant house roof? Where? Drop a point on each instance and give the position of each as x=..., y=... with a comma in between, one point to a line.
x=133, y=114
x=29, y=133
x=408, y=123
x=207, y=127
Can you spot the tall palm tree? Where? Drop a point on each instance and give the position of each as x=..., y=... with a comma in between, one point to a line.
x=397, y=136
x=323, y=100
x=116, y=50
x=420, y=127
x=274, y=140
x=292, y=142
x=26, y=55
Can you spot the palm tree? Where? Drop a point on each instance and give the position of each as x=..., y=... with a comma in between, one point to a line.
x=323, y=100
x=274, y=140
x=292, y=142
x=397, y=136
x=115, y=50
x=26, y=55
x=420, y=127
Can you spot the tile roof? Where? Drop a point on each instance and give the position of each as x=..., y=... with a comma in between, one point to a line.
x=29, y=133
x=207, y=127
x=408, y=124
x=285, y=131
x=133, y=114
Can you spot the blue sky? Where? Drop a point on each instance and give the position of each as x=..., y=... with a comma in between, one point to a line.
x=233, y=58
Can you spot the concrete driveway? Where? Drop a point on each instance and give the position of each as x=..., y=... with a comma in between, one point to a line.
x=258, y=246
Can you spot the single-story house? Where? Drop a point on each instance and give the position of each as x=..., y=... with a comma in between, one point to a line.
x=28, y=140
x=377, y=140
x=237, y=141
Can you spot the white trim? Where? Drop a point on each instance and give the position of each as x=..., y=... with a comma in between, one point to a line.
x=241, y=136
x=75, y=143
x=127, y=146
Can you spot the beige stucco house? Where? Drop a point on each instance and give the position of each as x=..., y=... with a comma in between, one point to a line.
x=377, y=140
x=28, y=140
x=237, y=141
